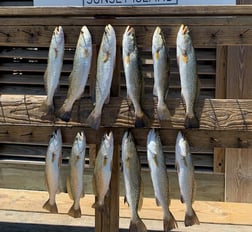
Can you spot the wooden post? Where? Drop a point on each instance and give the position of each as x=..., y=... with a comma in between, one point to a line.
x=108, y=220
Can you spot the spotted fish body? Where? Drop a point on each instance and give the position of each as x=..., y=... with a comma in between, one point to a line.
x=79, y=75
x=75, y=179
x=133, y=75
x=53, y=70
x=52, y=170
x=104, y=75
x=185, y=172
x=159, y=178
x=188, y=75
x=103, y=170
x=132, y=181
x=161, y=65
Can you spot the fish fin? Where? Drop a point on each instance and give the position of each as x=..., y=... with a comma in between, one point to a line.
x=157, y=201
x=163, y=112
x=75, y=213
x=125, y=200
x=127, y=59
x=86, y=52
x=191, y=121
x=50, y=208
x=53, y=157
x=69, y=189
x=137, y=226
x=185, y=57
x=56, y=53
x=155, y=158
x=194, y=190
x=140, y=202
x=105, y=160
x=94, y=120
x=106, y=56
x=94, y=185
x=155, y=90
x=45, y=79
x=182, y=199
x=177, y=166
x=107, y=99
x=170, y=223
x=191, y=219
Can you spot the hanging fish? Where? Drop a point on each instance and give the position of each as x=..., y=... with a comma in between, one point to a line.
x=52, y=170
x=75, y=178
x=104, y=75
x=188, y=75
x=161, y=65
x=186, y=178
x=79, y=75
x=132, y=182
x=53, y=70
x=103, y=170
x=159, y=178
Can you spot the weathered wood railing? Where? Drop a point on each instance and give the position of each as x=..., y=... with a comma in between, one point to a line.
x=222, y=37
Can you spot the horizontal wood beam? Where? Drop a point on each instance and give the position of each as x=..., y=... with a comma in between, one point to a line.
x=223, y=122
x=127, y=11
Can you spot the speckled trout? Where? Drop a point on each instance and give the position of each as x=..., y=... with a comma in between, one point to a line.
x=159, y=178
x=133, y=75
x=188, y=75
x=79, y=75
x=75, y=179
x=104, y=75
x=185, y=172
x=53, y=70
x=52, y=170
x=132, y=181
x=103, y=170
x=161, y=65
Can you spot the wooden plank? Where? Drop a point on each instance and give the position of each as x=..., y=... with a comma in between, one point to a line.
x=239, y=69
x=208, y=36
x=28, y=208
x=22, y=175
x=219, y=160
x=214, y=114
x=238, y=186
x=221, y=72
x=129, y=11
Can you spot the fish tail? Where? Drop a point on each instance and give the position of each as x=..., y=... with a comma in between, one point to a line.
x=191, y=121
x=163, y=112
x=98, y=206
x=75, y=213
x=170, y=223
x=94, y=120
x=141, y=120
x=51, y=208
x=191, y=219
x=137, y=226
x=64, y=115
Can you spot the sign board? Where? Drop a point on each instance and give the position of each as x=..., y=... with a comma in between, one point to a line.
x=90, y=3
x=155, y=2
